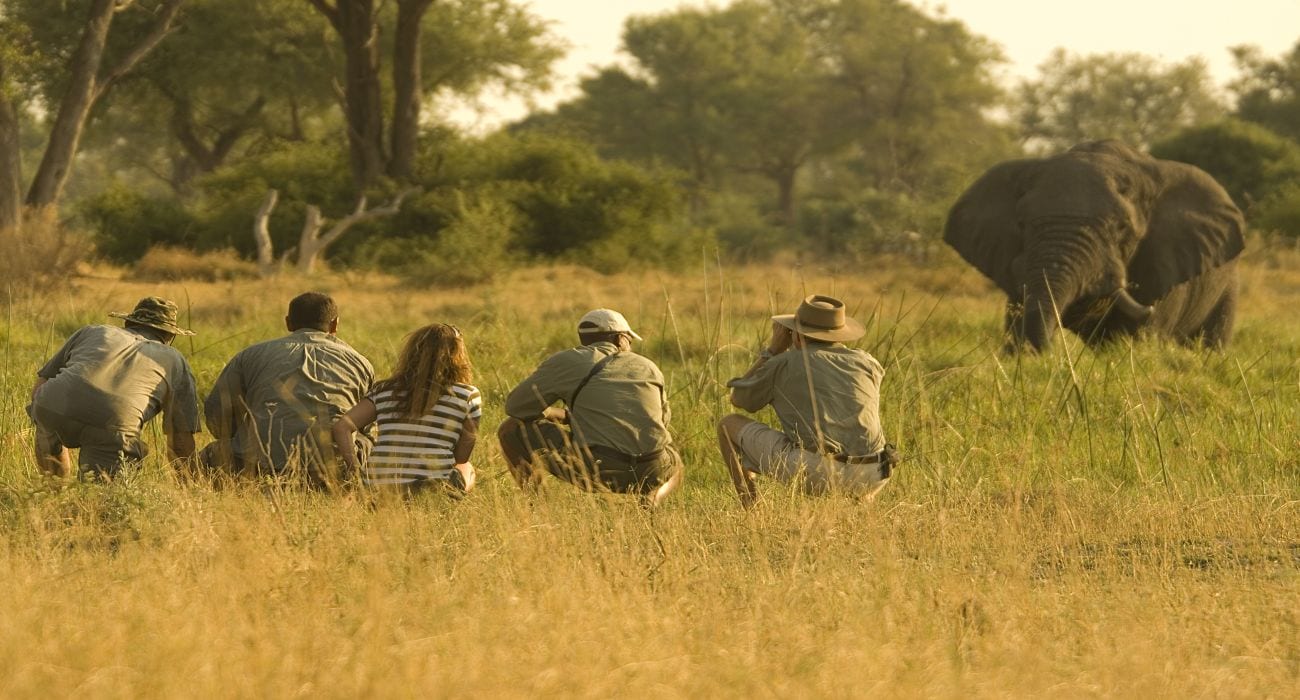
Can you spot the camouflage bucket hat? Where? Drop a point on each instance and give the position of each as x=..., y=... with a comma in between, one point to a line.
x=154, y=312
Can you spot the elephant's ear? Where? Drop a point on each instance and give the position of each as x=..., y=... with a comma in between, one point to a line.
x=1194, y=228
x=983, y=227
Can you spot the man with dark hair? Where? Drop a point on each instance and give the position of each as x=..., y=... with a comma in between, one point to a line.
x=614, y=434
x=104, y=384
x=272, y=408
x=827, y=398
x=312, y=310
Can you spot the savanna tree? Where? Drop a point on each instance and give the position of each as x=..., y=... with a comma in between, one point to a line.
x=1126, y=96
x=78, y=51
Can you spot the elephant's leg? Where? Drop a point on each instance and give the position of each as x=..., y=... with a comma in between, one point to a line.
x=1216, y=332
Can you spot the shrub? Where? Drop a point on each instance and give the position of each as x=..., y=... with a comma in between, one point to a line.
x=475, y=246
x=304, y=173
x=125, y=223
x=1250, y=161
x=165, y=263
x=1279, y=212
x=40, y=253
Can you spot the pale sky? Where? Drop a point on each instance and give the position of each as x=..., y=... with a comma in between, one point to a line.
x=1027, y=30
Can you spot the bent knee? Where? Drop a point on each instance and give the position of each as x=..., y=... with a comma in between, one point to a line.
x=730, y=425
x=509, y=427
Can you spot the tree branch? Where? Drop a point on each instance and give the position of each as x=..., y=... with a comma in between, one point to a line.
x=361, y=214
x=163, y=27
x=331, y=12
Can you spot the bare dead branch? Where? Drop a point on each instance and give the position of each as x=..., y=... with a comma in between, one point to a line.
x=262, y=234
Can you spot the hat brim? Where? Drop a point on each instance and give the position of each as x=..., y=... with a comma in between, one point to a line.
x=851, y=330
x=166, y=327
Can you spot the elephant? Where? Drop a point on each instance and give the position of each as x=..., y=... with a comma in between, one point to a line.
x=1104, y=241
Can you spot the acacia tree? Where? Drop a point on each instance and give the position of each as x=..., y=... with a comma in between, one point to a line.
x=87, y=78
x=768, y=86
x=11, y=179
x=1268, y=89
x=195, y=104
x=1125, y=96
x=66, y=58
x=913, y=91
x=473, y=42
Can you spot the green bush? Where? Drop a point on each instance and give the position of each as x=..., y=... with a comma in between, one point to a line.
x=1250, y=161
x=1279, y=212
x=474, y=246
x=873, y=222
x=304, y=174
x=125, y=223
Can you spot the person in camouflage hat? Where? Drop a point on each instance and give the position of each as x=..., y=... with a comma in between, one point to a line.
x=104, y=384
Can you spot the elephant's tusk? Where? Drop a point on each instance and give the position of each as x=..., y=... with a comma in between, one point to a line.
x=1130, y=307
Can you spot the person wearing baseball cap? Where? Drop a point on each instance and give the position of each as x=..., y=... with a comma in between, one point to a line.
x=104, y=384
x=613, y=434
x=827, y=399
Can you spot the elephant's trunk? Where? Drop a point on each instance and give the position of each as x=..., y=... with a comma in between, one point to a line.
x=1041, y=316
x=1055, y=272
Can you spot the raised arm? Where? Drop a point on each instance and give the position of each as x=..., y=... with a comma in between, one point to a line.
x=753, y=390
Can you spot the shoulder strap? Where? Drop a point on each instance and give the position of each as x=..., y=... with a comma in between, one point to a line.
x=594, y=371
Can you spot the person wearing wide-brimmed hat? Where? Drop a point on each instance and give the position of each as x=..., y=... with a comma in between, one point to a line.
x=613, y=436
x=105, y=383
x=827, y=399
x=273, y=407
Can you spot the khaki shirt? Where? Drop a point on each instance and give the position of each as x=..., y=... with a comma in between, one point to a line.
x=279, y=398
x=118, y=379
x=837, y=412
x=623, y=407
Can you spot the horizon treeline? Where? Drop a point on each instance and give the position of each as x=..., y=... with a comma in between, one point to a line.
x=846, y=127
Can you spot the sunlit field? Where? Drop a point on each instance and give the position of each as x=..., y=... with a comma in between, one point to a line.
x=1079, y=523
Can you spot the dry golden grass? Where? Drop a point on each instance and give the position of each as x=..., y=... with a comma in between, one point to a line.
x=1115, y=522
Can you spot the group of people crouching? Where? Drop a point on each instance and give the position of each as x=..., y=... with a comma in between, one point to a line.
x=306, y=406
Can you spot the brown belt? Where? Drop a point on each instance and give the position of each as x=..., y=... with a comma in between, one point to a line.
x=869, y=460
x=644, y=458
x=853, y=459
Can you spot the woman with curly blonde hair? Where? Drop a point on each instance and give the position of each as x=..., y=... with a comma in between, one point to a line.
x=427, y=413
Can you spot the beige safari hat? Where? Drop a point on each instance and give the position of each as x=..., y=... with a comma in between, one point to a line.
x=822, y=318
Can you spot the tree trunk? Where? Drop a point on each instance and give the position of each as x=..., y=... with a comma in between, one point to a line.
x=11, y=167
x=76, y=104
x=85, y=87
x=200, y=158
x=363, y=104
x=311, y=244
x=785, y=183
x=406, y=87
x=262, y=234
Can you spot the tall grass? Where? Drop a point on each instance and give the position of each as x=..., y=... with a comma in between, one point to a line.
x=1084, y=522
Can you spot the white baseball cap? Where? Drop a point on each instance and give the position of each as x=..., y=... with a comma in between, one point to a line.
x=605, y=321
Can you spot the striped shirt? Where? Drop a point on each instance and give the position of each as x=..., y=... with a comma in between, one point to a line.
x=411, y=450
